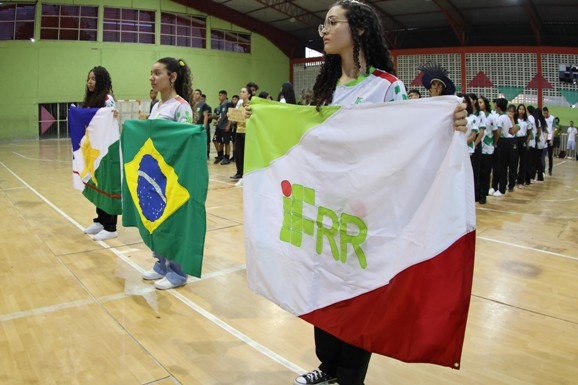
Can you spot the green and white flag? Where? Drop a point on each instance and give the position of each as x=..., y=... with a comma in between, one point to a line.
x=361, y=220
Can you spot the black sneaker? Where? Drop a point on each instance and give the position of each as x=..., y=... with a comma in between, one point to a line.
x=225, y=161
x=316, y=376
x=236, y=176
x=218, y=160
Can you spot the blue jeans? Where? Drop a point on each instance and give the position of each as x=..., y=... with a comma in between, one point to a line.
x=171, y=270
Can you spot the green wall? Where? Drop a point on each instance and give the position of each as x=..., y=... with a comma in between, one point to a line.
x=55, y=71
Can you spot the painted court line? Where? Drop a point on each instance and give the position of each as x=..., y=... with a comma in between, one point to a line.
x=529, y=248
x=217, y=321
x=41, y=159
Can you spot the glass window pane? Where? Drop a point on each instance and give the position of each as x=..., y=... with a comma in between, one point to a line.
x=167, y=40
x=7, y=12
x=69, y=34
x=6, y=31
x=128, y=26
x=49, y=34
x=24, y=30
x=128, y=37
x=69, y=22
x=147, y=16
x=147, y=38
x=49, y=22
x=89, y=11
x=129, y=14
x=112, y=13
x=111, y=36
x=86, y=23
x=87, y=35
x=25, y=12
x=52, y=10
x=148, y=28
x=167, y=29
x=111, y=26
x=70, y=10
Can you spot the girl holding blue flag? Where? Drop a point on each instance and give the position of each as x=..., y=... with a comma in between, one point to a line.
x=99, y=94
x=173, y=80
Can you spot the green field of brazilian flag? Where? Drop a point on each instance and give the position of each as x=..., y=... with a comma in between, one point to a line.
x=165, y=187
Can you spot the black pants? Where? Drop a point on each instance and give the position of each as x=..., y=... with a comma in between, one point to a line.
x=550, y=157
x=485, y=171
x=496, y=167
x=208, y=129
x=522, y=161
x=107, y=220
x=532, y=164
x=508, y=154
x=239, y=152
x=338, y=358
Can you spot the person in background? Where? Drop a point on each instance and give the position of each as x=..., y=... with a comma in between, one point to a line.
x=153, y=95
x=265, y=95
x=173, y=79
x=99, y=94
x=413, y=94
x=222, y=137
x=571, y=146
x=252, y=87
x=550, y=143
x=287, y=94
x=435, y=79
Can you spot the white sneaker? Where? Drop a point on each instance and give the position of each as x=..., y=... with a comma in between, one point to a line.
x=95, y=228
x=165, y=284
x=491, y=192
x=103, y=235
x=498, y=194
x=239, y=183
x=152, y=275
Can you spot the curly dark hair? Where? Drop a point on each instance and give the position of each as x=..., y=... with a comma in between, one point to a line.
x=103, y=87
x=360, y=17
x=184, y=83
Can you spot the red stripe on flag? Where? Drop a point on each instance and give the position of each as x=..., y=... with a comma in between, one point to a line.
x=420, y=316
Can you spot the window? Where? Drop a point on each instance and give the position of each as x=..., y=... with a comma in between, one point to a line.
x=53, y=120
x=230, y=41
x=17, y=21
x=129, y=26
x=69, y=22
x=183, y=30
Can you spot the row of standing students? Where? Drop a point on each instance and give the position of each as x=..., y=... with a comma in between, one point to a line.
x=508, y=145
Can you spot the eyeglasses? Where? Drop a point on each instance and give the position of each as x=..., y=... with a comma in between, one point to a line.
x=329, y=24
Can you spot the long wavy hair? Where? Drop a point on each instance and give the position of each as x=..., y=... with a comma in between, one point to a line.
x=288, y=93
x=360, y=17
x=184, y=83
x=103, y=87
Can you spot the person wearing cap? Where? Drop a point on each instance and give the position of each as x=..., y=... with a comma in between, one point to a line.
x=435, y=79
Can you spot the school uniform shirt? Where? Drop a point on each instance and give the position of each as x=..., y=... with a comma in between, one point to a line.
x=523, y=131
x=472, y=126
x=176, y=109
x=377, y=87
x=550, y=122
x=488, y=138
x=532, y=131
x=109, y=101
x=504, y=124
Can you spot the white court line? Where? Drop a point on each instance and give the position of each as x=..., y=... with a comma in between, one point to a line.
x=44, y=310
x=41, y=159
x=209, y=316
x=13, y=188
x=520, y=213
x=529, y=248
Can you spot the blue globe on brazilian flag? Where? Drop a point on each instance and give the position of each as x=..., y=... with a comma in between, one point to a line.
x=165, y=187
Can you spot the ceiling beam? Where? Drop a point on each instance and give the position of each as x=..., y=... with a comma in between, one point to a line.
x=455, y=18
x=534, y=20
x=290, y=45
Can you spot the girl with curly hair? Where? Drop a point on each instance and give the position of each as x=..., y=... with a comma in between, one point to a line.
x=357, y=68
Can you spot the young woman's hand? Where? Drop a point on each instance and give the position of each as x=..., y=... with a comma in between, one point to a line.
x=460, y=118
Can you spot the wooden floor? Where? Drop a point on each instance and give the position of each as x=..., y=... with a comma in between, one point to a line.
x=75, y=311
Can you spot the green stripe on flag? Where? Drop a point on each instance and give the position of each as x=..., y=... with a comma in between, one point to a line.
x=291, y=122
x=104, y=190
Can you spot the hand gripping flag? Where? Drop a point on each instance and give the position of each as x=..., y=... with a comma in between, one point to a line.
x=94, y=134
x=361, y=220
x=165, y=187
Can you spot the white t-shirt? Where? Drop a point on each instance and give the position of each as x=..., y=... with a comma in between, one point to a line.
x=532, y=131
x=550, y=122
x=488, y=138
x=504, y=124
x=472, y=126
x=109, y=101
x=176, y=109
x=377, y=87
x=572, y=134
x=523, y=131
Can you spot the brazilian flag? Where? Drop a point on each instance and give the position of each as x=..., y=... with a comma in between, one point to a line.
x=165, y=186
